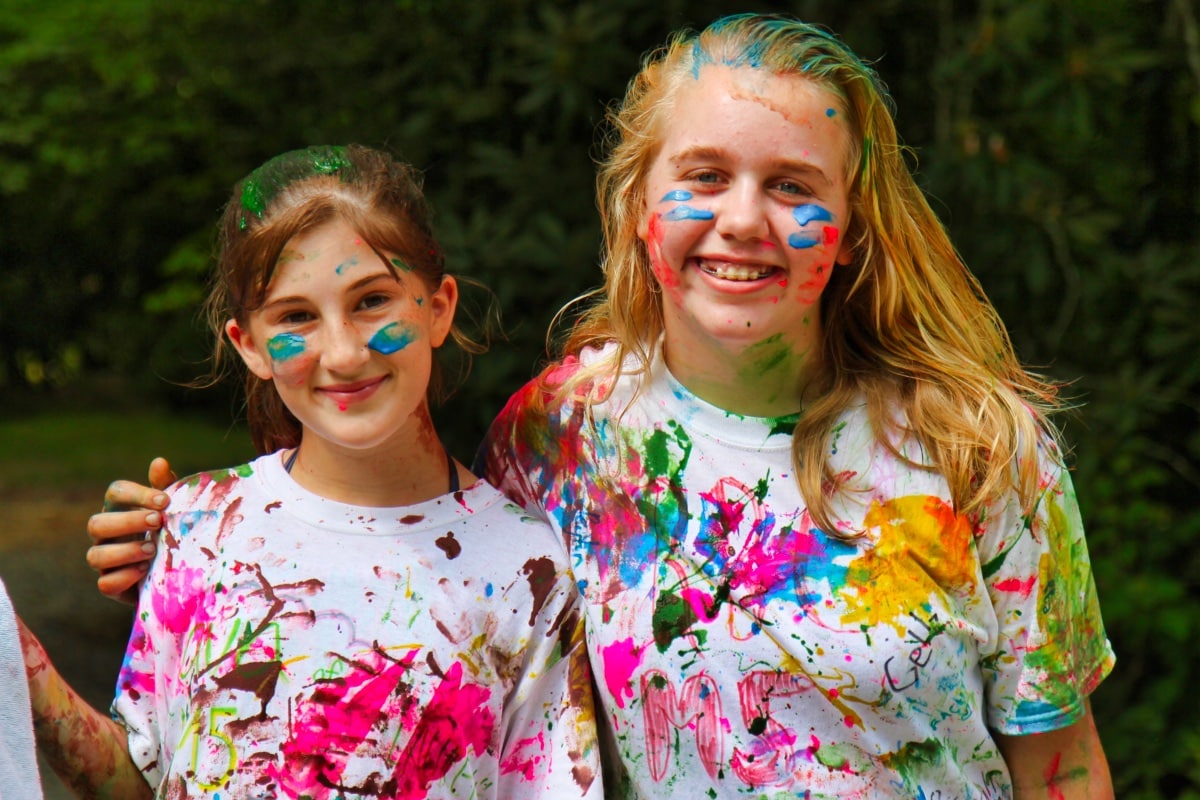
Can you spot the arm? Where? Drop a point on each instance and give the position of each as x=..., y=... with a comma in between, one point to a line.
x=1066, y=764
x=120, y=551
x=87, y=750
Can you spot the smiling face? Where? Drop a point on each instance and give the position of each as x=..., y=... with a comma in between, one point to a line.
x=348, y=344
x=746, y=205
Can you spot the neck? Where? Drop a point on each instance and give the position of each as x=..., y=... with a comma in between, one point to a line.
x=402, y=471
x=761, y=379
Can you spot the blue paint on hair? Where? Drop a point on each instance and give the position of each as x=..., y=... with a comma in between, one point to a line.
x=391, y=338
x=284, y=346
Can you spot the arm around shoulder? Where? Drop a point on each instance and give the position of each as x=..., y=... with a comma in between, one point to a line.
x=1065, y=764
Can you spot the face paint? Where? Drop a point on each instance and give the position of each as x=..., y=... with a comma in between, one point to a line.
x=398, y=264
x=345, y=265
x=804, y=215
x=683, y=212
x=391, y=338
x=284, y=346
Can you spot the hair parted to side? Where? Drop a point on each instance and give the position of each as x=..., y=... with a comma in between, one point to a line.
x=905, y=324
x=378, y=196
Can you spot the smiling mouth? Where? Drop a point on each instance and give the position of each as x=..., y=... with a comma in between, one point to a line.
x=734, y=272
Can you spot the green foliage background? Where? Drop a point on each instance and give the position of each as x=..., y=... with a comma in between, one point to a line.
x=1059, y=140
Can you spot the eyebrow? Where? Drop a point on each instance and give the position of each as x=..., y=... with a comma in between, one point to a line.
x=358, y=284
x=707, y=153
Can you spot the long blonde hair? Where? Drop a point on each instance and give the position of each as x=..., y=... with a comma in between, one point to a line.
x=905, y=325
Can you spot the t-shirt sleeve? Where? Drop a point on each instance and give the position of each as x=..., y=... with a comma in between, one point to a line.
x=173, y=596
x=515, y=450
x=550, y=747
x=1051, y=650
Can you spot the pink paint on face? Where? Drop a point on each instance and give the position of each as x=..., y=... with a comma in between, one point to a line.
x=621, y=660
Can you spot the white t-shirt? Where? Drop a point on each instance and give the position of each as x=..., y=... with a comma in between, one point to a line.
x=741, y=652
x=286, y=645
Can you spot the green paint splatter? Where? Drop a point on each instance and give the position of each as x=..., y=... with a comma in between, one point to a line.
x=673, y=617
x=265, y=183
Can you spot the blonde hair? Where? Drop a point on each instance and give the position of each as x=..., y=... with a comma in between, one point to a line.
x=905, y=324
x=298, y=191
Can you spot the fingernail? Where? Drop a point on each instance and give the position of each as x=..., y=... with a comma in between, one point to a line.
x=160, y=499
x=154, y=519
x=148, y=548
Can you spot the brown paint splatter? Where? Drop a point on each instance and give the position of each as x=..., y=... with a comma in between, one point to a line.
x=449, y=545
x=541, y=574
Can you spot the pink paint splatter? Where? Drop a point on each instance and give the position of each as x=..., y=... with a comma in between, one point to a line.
x=527, y=756
x=1021, y=587
x=621, y=659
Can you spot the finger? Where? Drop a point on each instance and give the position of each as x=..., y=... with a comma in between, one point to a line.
x=161, y=475
x=121, y=584
x=114, y=525
x=107, y=558
x=127, y=494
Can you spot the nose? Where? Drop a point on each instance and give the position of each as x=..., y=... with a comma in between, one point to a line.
x=344, y=348
x=742, y=215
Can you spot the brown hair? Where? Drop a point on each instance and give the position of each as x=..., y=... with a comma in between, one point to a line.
x=377, y=195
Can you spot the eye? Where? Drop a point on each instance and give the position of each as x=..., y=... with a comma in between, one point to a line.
x=374, y=300
x=706, y=177
x=295, y=317
x=792, y=188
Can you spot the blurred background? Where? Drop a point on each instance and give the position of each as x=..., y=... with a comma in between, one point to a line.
x=1058, y=139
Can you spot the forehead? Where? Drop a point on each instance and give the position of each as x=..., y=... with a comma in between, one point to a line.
x=745, y=107
x=332, y=252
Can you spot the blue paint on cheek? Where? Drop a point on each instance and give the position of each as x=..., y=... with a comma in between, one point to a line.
x=285, y=345
x=803, y=241
x=811, y=213
x=686, y=212
x=391, y=338
x=805, y=214
x=676, y=196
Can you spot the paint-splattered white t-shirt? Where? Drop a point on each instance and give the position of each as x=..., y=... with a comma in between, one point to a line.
x=741, y=652
x=290, y=646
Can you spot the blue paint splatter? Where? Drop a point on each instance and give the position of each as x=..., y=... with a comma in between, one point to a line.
x=805, y=214
x=391, y=338
x=808, y=213
x=803, y=241
x=345, y=265
x=831, y=112
x=677, y=196
x=686, y=212
x=284, y=346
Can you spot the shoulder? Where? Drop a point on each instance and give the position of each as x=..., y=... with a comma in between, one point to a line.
x=215, y=486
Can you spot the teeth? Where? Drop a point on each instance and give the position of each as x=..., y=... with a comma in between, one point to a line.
x=735, y=272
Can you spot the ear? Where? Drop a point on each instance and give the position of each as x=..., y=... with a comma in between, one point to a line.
x=257, y=362
x=442, y=304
